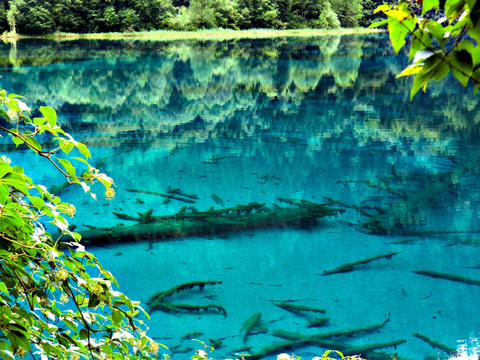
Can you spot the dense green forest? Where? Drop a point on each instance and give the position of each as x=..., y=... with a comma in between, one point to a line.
x=93, y=16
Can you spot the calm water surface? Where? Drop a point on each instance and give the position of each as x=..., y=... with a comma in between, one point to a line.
x=245, y=121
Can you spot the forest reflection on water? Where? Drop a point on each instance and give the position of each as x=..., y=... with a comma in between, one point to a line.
x=245, y=121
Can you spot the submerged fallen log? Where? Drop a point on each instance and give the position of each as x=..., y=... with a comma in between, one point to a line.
x=249, y=325
x=350, y=266
x=395, y=219
x=189, y=221
x=296, y=340
x=318, y=322
x=172, y=194
x=445, y=276
x=299, y=308
x=436, y=344
x=157, y=300
x=361, y=349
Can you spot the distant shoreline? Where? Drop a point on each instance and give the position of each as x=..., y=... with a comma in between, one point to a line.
x=216, y=34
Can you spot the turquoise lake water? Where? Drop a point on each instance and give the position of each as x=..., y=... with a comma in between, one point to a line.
x=235, y=122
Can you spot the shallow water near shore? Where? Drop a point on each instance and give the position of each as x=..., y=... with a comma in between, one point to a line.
x=234, y=122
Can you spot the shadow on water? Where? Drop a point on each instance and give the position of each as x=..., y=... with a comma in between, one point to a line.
x=260, y=166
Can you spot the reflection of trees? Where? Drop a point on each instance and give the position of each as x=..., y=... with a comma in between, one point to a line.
x=302, y=85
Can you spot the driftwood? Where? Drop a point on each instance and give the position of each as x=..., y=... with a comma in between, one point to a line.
x=351, y=266
x=445, y=276
x=395, y=219
x=436, y=344
x=189, y=221
x=157, y=300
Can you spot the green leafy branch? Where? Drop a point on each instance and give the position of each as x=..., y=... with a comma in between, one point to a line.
x=437, y=47
x=15, y=111
x=56, y=300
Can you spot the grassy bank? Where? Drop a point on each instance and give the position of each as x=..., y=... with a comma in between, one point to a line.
x=217, y=34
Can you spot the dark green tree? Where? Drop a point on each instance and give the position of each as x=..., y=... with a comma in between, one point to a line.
x=3, y=16
x=304, y=11
x=30, y=17
x=349, y=12
x=225, y=13
x=328, y=18
x=284, y=12
x=201, y=14
x=257, y=14
x=154, y=14
x=69, y=15
x=368, y=16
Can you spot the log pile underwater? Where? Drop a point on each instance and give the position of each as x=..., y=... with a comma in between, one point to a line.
x=189, y=221
x=401, y=214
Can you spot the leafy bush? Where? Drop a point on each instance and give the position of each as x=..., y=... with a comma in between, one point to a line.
x=56, y=300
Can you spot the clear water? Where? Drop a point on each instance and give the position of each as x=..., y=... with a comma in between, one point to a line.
x=256, y=120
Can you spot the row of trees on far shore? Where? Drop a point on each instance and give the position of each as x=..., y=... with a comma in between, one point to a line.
x=92, y=16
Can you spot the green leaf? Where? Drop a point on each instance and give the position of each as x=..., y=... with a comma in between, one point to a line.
x=13, y=217
x=39, y=121
x=418, y=43
x=410, y=24
x=16, y=96
x=7, y=355
x=474, y=11
x=3, y=288
x=5, y=115
x=454, y=8
x=4, y=169
x=474, y=32
x=421, y=79
x=17, y=337
x=441, y=71
x=476, y=56
x=70, y=324
x=397, y=14
x=93, y=301
x=83, y=334
x=397, y=33
x=461, y=66
x=437, y=30
x=378, y=23
x=67, y=339
x=80, y=159
x=476, y=77
x=116, y=317
x=49, y=114
x=15, y=181
x=383, y=8
x=4, y=193
x=18, y=170
x=33, y=143
x=67, y=147
x=84, y=150
x=411, y=70
x=17, y=141
x=69, y=168
x=36, y=201
x=429, y=5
